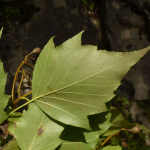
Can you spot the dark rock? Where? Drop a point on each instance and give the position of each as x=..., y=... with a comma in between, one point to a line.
x=63, y=19
x=124, y=28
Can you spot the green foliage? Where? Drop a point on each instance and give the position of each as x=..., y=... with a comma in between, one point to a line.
x=112, y=148
x=134, y=141
x=73, y=77
x=71, y=84
x=117, y=122
x=89, y=4
x=3, y=98
x=34, y=132
x=12, y=145
x=115, y=140
x=85, y=2
x=16, y=10
x=11, y=11
x=123, y=101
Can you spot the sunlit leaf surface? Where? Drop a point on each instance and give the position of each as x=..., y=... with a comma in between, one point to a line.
x=112, y=148
x=13, y=120
x=36, y=131
x=75, y=146
x=3, y=98
x=12, y=145
x=73, y=81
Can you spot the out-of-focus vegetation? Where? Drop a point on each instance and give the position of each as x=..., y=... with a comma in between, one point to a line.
x=89, y=3
x=15, y=11
x=130, y=141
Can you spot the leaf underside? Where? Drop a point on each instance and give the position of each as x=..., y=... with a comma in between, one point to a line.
x=92, y=138
x=72, y=81
x=112, y=148
x=12, y=145
x=75, y=146
x=100, y=123
x=36, y=131
x=3, y=98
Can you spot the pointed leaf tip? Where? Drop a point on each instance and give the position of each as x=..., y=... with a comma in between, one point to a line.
x=72, y=81
x=145, y=50
x=75, y=40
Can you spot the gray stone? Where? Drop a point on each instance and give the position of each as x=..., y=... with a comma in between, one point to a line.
x=123, y=28
x=60, y=18
x=59, y=3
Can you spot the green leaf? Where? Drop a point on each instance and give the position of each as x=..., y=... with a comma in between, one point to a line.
x=118, y=122
x=72, y=136
x=73, y=139
x=104, y=126
x=73, y=81
x=14, y=119
x=74, y=146
x=112, y=148
x=1, y=32
x=99, y=123
x=36, y=131
x=12, y=145
x=92, y=138
x=3, y=98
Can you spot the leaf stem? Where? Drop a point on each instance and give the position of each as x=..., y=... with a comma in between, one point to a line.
x=18, y=90
x=25, y=98
x=37, y=98
x=12, y=93
x=16, y=101
x=22, y=106
x=27, y=94
x=15, y=80
x=29, y=65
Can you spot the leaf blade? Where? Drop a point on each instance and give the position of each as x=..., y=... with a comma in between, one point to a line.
x=92, y=138
x=117, y=122
x=73, y=77
x=112, y=148
x=3, y=97
x=36, y=131
x=12, y=145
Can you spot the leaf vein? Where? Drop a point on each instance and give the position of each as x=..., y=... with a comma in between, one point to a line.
x=55, y=72
x=43, y=72
x=74, y=102
x=83, y=94
x=59, y=109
